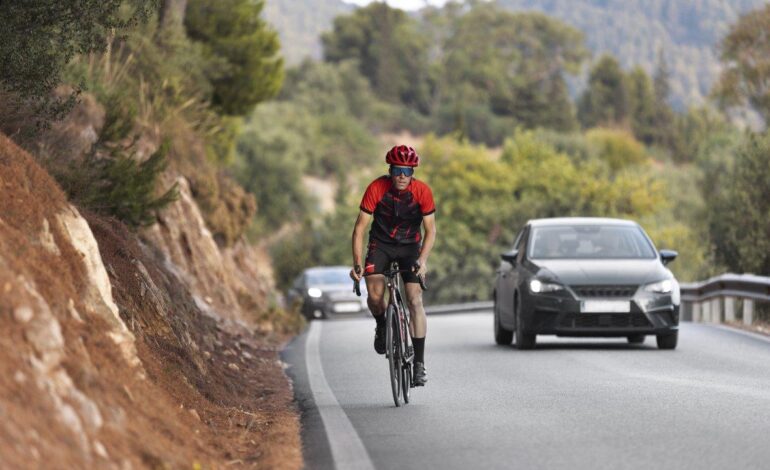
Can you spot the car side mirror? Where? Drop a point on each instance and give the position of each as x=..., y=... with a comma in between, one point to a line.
x=510, y=256
x=667, y=256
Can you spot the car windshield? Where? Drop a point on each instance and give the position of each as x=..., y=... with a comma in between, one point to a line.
x=328, y=276
x=590, y=242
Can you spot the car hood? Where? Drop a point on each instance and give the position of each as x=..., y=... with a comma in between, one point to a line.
x=576, y=272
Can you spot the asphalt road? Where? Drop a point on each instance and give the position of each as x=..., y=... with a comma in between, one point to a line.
x=570, y=403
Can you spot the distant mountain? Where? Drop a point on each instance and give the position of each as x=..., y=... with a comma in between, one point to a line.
x=300, y=23
x=687, y=31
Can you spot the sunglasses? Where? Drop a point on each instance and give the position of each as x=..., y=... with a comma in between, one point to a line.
x=400, y=170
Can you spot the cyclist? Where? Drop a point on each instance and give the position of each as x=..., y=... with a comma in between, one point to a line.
x=399, y=204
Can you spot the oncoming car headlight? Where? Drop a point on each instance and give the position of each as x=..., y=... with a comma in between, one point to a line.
x=660, y=287
x=314, y=292
x=538, y=287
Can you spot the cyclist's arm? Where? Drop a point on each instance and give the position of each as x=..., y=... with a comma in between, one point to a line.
x=358, y=236
x=429, y=222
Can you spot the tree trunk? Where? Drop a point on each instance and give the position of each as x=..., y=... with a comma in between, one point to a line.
x=171, y=14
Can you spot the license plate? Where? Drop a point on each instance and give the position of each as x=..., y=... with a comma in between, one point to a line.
x=605, y=306
x=346, y=307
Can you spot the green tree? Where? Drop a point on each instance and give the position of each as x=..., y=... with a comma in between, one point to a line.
x=745, y=55
x=39, y=37
x=606, y=100
x=515, y=64
x=739, y=209
x=389, y=50
x=234, y=31
x=663, y=128
x=642, y=105
x=275, y=179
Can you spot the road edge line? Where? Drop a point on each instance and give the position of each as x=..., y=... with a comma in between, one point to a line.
x=348, y=451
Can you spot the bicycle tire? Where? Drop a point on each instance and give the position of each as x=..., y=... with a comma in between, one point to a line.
x=406, y=361
x=394, y=358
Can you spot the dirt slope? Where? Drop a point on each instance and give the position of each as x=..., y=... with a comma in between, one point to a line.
x=110, y=360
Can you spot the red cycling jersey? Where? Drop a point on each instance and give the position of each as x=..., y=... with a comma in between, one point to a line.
x=397, y=214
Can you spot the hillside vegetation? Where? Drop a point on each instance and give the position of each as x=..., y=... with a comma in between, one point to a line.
x=634, y=31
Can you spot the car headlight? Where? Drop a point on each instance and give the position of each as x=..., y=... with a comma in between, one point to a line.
x=660, y=287
x=314, y=292
x=537, y=287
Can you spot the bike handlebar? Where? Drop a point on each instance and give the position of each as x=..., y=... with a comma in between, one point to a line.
x=389, y=273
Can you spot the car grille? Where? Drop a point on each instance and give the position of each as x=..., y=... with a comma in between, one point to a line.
x=605, y=291
x=604, y=320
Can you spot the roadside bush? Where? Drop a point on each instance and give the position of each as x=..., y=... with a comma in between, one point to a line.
x=118, y=185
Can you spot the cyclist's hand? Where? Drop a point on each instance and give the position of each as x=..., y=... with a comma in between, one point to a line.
x=420, y=268
x=355, y=273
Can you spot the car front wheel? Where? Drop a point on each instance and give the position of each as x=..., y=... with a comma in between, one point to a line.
x=503, y=337
x=523, y=340
x=668, y=341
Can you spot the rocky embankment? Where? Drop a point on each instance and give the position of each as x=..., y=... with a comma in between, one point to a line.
x=125, y=350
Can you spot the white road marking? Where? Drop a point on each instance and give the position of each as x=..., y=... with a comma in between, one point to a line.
x=348, y=452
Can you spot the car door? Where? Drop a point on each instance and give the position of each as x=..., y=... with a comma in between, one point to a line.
x=508, y=278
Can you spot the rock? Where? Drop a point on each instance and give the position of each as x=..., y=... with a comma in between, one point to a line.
x=207, y=354
x=23, y=314
x=46, y=239
x=195, y=414
x=233, y=366
x=73, y=311
x=19, y=377
x=247, y=355
x=100, y=450
x=99, y=290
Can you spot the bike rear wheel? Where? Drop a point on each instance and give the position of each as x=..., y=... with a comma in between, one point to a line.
x=393, y=342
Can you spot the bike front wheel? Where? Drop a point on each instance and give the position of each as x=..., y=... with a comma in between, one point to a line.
x=393, y=340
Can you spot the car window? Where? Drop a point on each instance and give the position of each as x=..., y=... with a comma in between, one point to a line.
x=328, y=276
x=590, y=242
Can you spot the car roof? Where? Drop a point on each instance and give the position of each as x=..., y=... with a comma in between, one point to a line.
x=580, y=221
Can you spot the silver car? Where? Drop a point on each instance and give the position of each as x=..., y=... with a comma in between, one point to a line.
x=326, y=291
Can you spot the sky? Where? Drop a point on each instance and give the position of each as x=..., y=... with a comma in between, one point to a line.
x=403, y=4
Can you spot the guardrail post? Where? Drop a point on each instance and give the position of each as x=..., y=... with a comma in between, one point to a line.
x=716, y=310
x=706, y=311
x=696, y=311
x=748, y=311
x=729, y=309
x=685, y=311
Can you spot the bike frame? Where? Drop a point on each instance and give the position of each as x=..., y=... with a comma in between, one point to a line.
x=398, y=336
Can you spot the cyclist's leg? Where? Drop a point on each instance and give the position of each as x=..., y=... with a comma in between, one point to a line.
x=416, y=309
x=377, y=260
x=419, y=323
x=407, y=256
x=375, y=286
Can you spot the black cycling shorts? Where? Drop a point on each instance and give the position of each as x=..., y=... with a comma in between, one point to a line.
x=379, y=256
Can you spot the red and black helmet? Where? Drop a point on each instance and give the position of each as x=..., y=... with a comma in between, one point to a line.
x=402, y=155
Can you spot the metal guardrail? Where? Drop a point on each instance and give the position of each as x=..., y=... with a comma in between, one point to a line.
x=715, y=300
x=459, y=308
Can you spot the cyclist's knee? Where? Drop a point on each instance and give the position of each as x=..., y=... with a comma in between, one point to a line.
x=376, y=304
x=415, y=304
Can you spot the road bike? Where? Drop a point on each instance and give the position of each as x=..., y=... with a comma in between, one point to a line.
x=399, y=350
